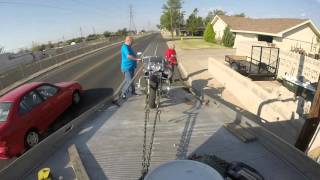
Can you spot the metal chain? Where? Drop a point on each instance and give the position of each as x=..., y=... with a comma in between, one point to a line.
x=146, y=156
x=146, y=118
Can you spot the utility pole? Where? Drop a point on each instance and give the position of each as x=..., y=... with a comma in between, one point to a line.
x=132, y=27
x=311, y=124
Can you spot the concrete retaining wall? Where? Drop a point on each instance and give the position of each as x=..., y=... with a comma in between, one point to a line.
x=255, y=98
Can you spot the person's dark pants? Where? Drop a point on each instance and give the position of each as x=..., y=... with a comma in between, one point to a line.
x=129, y=87
x=173, y=66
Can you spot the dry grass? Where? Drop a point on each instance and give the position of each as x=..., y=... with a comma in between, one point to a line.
x=197, y=43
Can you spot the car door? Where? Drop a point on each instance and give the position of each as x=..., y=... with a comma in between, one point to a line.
x=63, y=99
x=50, y=105
x=29, y=112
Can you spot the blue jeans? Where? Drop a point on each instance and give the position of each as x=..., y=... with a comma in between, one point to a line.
x=129, y=86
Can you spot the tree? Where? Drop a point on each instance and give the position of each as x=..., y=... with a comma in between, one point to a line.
x=240, y=15
x=1, y=50
x=219, y=12
x=194, y=22
x=171, y=15
x=228, y=37
x=212, y=14
x=76, y=40
x=106, y=34
x=41, y=47
x=209, y=18
x=122, y=32
x=92, y=37
x=50, y=45
x=209, y=34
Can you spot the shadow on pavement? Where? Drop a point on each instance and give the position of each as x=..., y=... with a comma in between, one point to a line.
x=292, y=126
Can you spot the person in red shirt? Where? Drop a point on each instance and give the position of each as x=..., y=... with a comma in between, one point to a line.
x=171, y=57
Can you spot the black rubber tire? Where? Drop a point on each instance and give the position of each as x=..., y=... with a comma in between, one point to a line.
x=76, y=98
x=235, y=66
x=33, y=132
x=152, y=92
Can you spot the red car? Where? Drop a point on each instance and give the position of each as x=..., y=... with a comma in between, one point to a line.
x=27, y=111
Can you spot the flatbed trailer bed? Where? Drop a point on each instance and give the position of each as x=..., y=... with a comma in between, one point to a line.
x=110, y=141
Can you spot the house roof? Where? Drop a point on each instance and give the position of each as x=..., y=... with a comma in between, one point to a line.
x=270, y=26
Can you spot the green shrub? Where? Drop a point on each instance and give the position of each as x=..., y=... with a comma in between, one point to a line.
x=228, y=38
x=107, y=34
x=209, y=34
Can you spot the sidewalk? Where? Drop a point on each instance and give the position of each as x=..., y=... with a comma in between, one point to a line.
x=194, y=65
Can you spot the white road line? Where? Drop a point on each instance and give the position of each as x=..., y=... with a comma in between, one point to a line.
x=99, y=64
x=80, y=60
x=155, y=52
x=94, y=67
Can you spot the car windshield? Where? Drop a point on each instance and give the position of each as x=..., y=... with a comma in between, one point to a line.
x=4, y=110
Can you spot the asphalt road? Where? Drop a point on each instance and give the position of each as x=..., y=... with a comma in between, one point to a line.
x=99, y=74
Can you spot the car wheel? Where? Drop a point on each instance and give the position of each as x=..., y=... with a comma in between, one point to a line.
x=76, y=98
x=32, y=138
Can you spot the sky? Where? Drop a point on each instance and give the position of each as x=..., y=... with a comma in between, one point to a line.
x=40, y=21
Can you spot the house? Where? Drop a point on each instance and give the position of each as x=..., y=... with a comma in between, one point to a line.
x=285, y=33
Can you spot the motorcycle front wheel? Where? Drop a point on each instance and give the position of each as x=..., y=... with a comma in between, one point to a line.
x=153, y=87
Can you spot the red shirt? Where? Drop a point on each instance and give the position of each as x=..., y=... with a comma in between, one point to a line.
x=171, y=56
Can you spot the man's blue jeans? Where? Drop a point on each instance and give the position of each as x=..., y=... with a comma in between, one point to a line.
x=129, y=86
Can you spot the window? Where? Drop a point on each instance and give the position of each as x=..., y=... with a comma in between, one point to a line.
x=29, y=101
x=47, y=91
x=4, y=110
x=268, y=39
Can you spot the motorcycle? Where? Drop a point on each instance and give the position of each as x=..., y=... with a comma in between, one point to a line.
x=157, y=74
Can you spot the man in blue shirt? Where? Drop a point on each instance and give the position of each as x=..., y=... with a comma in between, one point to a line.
x=128, y=65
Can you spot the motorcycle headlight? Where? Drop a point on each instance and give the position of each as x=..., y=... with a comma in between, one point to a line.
x=156, y=67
